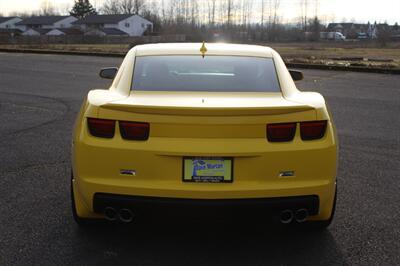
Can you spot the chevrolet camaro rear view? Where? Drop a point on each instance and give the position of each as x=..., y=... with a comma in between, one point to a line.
x=204, y=127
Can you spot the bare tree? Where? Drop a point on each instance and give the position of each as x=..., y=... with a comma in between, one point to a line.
x=247, y=12
x=266, y=11
x=22, y=14
x=47, y=8
x=138, y=6
x=276, y=4
x=273, y=29
x=211, y=12
x=316, y=6
x=229, y=11
x=304, y=13
x=127, y=6
x=110, y=7
x=123, y=7
x=194, y=12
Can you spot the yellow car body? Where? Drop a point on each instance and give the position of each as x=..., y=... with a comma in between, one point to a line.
x=186, y=124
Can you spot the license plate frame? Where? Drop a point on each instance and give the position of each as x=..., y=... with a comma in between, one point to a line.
x=227, y=168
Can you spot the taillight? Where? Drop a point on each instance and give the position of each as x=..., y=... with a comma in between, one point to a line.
x=102, y=128
x=281, y=132
x=312, y=130
x=134, y=130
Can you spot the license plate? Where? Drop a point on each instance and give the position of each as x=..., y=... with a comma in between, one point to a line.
x=208, y=169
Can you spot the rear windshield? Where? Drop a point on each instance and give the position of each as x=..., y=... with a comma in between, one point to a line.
x=211, y=73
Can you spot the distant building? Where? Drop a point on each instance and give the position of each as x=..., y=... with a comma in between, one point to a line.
x=10, y=23
x=132, y=25
x=47, y=22
x=52, y=32
x=64, y=31
x=364, y=31
x=350, y=30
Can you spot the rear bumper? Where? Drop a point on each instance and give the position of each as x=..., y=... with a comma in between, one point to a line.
x=157, y=205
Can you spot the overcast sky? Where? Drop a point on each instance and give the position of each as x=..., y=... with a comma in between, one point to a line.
x=351, y=10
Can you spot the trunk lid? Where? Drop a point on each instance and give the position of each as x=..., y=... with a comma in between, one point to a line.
x=206, y=115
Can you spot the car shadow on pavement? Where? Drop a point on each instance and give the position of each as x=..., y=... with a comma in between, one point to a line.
x=198, y=242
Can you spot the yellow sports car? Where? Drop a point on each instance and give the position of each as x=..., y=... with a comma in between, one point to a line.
x=204, y=127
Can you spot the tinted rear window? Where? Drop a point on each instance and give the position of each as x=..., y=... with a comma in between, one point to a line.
x=211, y=73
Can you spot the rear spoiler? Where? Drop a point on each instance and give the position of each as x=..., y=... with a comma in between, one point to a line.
x=208, y=111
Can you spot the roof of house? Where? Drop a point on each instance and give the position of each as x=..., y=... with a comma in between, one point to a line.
x=103, y=19
x=340, y=25
x=347, y=26
x=41, y=20
x=4, y=19
x=70, y=31
x=40, y=31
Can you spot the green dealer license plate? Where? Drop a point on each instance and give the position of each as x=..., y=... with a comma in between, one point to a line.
x=207, y=169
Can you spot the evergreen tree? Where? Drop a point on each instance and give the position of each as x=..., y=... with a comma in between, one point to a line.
x=82, y=8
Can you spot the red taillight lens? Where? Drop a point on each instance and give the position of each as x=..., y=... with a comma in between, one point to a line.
x=281, y=132
x=134, y=130
x=102, y=128
x=312, y=130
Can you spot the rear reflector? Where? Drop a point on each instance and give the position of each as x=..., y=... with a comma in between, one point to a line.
x=281, y=132
x=134, y=130
x=102, y=128
x=312, y=130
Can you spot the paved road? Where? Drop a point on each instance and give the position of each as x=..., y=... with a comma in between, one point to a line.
x=39, y=98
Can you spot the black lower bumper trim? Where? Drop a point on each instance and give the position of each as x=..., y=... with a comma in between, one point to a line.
x=159, y=204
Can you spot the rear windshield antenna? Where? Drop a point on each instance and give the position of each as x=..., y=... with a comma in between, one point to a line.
x=203, y=49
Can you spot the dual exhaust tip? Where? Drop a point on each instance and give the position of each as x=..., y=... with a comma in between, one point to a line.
x=287, y=216
x=124, y=215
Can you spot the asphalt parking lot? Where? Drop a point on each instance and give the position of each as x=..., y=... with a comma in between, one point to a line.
x=39, y=98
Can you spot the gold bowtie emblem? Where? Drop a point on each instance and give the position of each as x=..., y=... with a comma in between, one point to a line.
x=203, y=49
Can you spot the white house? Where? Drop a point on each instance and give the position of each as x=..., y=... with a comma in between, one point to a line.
x=132, y=25
x=10, y=23
x=47, y=22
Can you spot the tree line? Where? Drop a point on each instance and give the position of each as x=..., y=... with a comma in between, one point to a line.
x=205, y=19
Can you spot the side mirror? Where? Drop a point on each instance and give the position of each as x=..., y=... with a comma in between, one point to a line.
x=108, y=73
x=296, y=75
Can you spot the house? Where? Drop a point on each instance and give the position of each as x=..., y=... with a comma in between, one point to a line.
x=10, y=23
x=52, y=32
x=47, y=22
x=365, y=31
x=132, y=25
x=350, y=30
x=64, y=31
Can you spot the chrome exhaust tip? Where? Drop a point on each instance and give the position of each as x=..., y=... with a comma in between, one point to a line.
x=110, y=213
x=301, y=215
x=125, y=215
x=286, y=216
